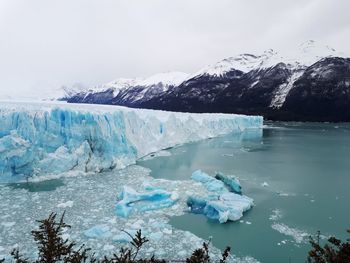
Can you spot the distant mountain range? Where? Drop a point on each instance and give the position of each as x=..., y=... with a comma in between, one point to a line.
x=313, y=84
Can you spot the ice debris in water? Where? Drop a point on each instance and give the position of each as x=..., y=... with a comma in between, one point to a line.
x=131, y=200
x=299, y=236
x=276, y=215
x=55, y=138
x=94, y=200
x=223, y=204
x=230, y=181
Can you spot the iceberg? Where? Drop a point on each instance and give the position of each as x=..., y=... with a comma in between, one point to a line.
x=132, y=201
x=230, y=181
x=225, y=201
x=212, y=184
x=227, y=206
x=51, y=139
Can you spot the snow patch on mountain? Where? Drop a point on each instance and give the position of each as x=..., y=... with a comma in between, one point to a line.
x=166, y=79
x=309, y=52
x=283, y=90
x=242, y=62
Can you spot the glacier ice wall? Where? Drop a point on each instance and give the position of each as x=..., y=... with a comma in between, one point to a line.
x=54, y=138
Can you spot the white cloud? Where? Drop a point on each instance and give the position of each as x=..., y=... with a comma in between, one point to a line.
x=45, y=44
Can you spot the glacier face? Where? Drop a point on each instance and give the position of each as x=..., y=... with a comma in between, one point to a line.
x=55, y=138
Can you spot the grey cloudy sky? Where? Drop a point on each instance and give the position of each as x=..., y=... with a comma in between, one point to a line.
x=45, y=44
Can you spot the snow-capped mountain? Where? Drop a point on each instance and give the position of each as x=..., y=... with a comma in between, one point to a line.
x=126, y=91
x=264, y=84
x=241, y=62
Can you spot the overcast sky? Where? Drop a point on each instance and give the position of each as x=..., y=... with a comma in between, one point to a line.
x=45, y=44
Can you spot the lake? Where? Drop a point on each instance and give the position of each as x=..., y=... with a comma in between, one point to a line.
x=297, y=174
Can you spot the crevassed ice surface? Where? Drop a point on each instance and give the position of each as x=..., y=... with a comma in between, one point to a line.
x=55, y=138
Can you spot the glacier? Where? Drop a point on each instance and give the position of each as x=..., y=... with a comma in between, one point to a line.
x=39, y=139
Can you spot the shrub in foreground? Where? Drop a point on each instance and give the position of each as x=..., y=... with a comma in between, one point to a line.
x=335, y=251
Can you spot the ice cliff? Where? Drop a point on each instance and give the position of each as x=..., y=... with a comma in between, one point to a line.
x=55, y=138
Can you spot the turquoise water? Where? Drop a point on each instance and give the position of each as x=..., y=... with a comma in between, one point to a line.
x=306, y=167
x=48, y=185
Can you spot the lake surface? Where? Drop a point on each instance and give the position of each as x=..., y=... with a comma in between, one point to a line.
x=297, y=174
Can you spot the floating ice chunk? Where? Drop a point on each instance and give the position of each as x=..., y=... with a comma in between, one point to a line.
x=98, y=231
x=8, y=224
x=156, y=236
x=65, y=236
x=264, y=184
x=167, y=231
x=223, y=205
x=182, y=253
x=230, y=181
x=227, y=206
x=138, y=224
x=108, y=247
x=125, y=236
x=131, y=200
x=208, y=181
x=66, y=204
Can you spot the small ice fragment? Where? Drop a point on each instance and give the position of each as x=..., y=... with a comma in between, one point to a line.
x=167, y=231
x=156, y=236
x=65, y=236
x=264, y=184
x=108, y=247
x=276, y=215
x=66, y=204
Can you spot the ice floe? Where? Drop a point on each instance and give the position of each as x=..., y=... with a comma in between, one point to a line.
x=131, y=200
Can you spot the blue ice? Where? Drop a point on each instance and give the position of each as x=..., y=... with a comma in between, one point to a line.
x=132, y=201
x=230, y=181
x=98, y=231
x=208, y=181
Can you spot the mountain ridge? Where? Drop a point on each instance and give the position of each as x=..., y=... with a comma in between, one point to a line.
x=246, y=83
